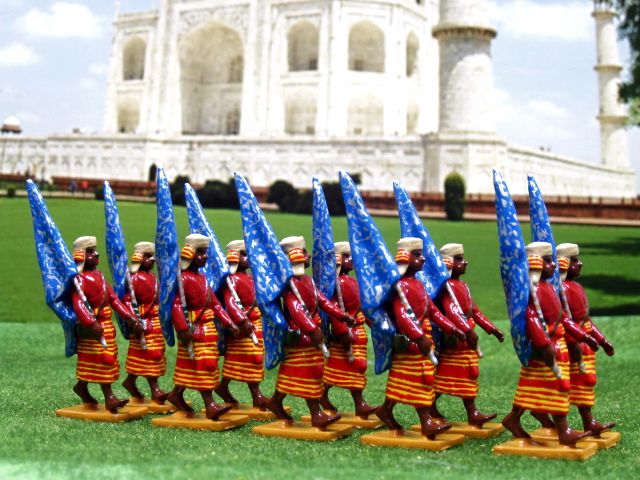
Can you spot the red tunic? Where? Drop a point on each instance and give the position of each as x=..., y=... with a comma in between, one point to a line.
x=150, y=362
x=458, y=368
x=411, y=377
x=203, y=306
x=339, y=371
x=301, y=371
x=95, y=363
x=582, y=384
x=243, y=360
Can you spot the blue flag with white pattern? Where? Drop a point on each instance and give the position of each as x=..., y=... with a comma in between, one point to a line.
x=116, y=251
x=167, y=254
x=375, y=268
x=271, y=270
x=56, y=266
x=324, y=257
x=541, y=225
x=514, y=267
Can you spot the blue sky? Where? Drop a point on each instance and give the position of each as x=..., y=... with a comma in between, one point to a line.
x=53, y=67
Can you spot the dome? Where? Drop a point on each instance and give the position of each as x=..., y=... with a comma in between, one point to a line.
x=12, y=125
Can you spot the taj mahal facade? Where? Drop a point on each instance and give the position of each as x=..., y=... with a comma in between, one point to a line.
x=290, y=89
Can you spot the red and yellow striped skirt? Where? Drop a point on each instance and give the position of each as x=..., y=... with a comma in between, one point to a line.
x=538, y=388
x=150, y=362
x=244, y=361
x=583, y=391
x=411, y=380
x=202, y=372
x=339, y=372
x=458, y=373
x=300, y=373
x=95, y=363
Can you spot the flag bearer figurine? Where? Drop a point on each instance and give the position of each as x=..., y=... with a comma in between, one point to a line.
x=340, y=370
x=92, y=299
x=148, y=362
x=243, y=360
x=193, y=312
x=412, y=375
x=301, y=371
x=582, y=391
x=458, y=367
x=543, y=387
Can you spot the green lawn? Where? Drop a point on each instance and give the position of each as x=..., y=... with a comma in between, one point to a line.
x=36, y=378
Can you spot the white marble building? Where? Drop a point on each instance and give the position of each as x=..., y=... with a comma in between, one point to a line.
x=287, y=89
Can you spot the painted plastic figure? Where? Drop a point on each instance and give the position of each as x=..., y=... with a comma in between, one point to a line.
x=92, y=299
x=458, y=368
x=194, y=309
x=150, y=361
x=301, y=371
x=412, y=375
x=341, y=370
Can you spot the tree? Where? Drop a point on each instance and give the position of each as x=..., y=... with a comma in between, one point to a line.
x=454, y=192
x=629, y=29
x=177, y=189
x=283, y=194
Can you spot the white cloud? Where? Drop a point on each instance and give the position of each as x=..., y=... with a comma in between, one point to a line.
x=569, y=21
x=88, y=84
x=98, y=69
x=63, y=20
x=547, y=108
x=17, y=55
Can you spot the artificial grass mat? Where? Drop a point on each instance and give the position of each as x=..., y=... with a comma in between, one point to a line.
x=36, y=378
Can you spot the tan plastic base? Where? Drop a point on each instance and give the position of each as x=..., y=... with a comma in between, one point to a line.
x=302, y=431
x=97, y=413
x=254, y=413
x=410, y=439
x=152, y=405
x=350, y=418
x=488, y=430
x=606, y=440
x=530, y=448
x=200, y=422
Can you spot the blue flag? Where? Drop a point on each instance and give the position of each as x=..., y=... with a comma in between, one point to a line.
x=116, y=251
x=375, y=268
x=56, y=266
x=541, y=225
x=324, y=257
x=514, y=267
x=167, y=254
x=270, y=267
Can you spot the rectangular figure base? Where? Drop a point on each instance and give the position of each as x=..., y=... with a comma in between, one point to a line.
x=302, y=431
x=411, y=439
x=152, y=405
x=607, y=439
x=98, y=413
x=350, y=418
x=198, y=421
x=254, y=413
x=530, y=448
x=488, y=430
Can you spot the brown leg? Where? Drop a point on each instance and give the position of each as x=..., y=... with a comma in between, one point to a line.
x=591, y=424
x=474, y=416
x=428, y=427
x=363, y=409
x=320, y=419
x=274, y=404
x=82, y=390
x=213, y=410
x=325, y=402
x=566, y=435
x=223, y=392
x=434, y=412
x=156, y=394
x=544, y=419
x=259, y=400
x=130, y=385
x=111, y=402
x=176, y=398
x=385, y=413
x=512, y=423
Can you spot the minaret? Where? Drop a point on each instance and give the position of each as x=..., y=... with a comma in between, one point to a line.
x=466, y=71
x=612, y=114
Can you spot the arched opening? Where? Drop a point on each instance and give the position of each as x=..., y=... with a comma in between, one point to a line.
x=413, y=45
x=128, y=116
x=366, y=115
x=366, y=48
x=302, y=41
x=211, y=63
x=300, y=114
x=413, y=114
x=133, y=57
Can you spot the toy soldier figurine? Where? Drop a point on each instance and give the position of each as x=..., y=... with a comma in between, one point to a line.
x=301, y=371
x=582, y=393
x=543, y=387
x=243, y=360
x=193, y=312
x=92, y=301
x=340, y=370
x=148, y=362
x=458, y=369
x=411, y=378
